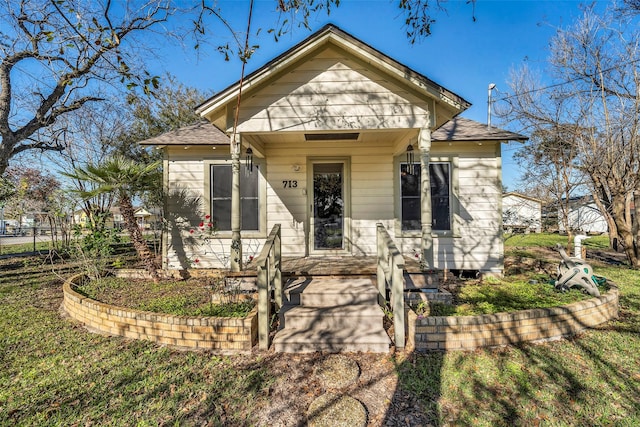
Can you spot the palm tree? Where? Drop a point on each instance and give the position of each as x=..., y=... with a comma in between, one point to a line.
x=124, y=178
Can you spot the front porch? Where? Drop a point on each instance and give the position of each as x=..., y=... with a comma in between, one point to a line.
x=347, y=265
x=344, y=297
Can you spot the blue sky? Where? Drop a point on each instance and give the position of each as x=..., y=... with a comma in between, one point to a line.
x=461, y=55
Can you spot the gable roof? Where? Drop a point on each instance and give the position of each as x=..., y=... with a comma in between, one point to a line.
x=330, y=34
x=522, y=196
x=461, y=129
x=201, y=133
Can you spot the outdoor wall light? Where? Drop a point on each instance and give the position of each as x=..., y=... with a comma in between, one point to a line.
x=249, y=159
x=410, y=160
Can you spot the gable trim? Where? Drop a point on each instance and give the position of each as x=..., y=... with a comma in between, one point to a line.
x=332, y=34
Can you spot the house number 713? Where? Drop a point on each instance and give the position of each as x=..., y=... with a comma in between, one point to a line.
x=290, y=184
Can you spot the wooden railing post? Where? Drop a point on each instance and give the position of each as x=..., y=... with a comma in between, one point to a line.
x=390, y=271
x=268, y=268
x=381, y=266
x=264, y=306
x=277, y=279
x=397, y=289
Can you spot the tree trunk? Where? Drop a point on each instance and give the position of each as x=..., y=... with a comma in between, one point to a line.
x=139, y=243
x=624, y=231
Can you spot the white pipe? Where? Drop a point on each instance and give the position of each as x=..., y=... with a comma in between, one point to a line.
x=577, y=245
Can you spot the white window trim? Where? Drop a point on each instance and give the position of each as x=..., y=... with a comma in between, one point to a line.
x=454, y=200
x=259, y=166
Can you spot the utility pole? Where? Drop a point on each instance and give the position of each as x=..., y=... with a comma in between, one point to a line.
x=491, y=87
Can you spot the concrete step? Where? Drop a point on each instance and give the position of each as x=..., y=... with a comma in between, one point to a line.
x=360, y=317
x=331, y=314
x=331, y=291
x=334, y=340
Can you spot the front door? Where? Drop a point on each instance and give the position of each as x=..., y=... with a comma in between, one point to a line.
x=328, y=207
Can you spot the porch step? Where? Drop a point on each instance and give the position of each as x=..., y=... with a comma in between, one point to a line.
x=362, y=317
x=331, y=314
x=331, y=291
x=334, y=340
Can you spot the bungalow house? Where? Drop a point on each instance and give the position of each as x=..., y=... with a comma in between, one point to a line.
x=335, y=137
x=521, y=213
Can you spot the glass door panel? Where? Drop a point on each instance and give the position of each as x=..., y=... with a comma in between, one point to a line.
x=328, y=206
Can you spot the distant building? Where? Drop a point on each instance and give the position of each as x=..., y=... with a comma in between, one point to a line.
x=146, y=218
x=584, y=216
x=521, y=213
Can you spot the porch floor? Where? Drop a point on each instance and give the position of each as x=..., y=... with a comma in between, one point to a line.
x=330, y=266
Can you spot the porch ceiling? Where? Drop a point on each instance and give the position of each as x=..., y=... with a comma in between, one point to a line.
x=399, y=138
x=298, y=137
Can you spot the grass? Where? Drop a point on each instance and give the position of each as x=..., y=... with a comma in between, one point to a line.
x=506, y=295
x=180, y=298
x=20, y=248
x=592, y=379
x=229, y=309
x=549, y=240
x=53, y=372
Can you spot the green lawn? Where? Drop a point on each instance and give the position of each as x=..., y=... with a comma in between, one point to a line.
x=54, y=372
x=24, y=247
x=549, y=240
x=502, y=295
x=591, y=380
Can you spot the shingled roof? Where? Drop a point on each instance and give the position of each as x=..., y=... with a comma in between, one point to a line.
x=461, y=129
x=457, y=129
x=201, y=133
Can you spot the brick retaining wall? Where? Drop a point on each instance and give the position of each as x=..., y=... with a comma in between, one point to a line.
x=488, y=330
x=216, y=333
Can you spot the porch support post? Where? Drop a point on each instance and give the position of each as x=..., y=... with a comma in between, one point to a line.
x=236, y=239
x=424, y=144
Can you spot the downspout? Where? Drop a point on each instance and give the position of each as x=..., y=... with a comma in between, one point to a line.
x=426, y=244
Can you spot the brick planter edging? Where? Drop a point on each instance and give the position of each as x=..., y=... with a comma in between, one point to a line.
x=211, y=333
x=490, y=330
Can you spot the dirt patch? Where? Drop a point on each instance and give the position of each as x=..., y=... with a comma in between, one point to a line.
x=336, y=410
x=377, y=388
x=545, y=260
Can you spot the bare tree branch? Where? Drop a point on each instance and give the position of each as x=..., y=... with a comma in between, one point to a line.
x=78, y=46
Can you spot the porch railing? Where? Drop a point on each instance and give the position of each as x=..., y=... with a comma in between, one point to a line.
x=390, y=274
x=269, y=270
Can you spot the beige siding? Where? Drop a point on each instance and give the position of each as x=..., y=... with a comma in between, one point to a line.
x=287, y=206
x=370, y=189
x=479, y=246
x=331, y=91
x=187, y=175
x=476, y=244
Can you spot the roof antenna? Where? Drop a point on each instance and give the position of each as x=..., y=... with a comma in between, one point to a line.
x=491, y=87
